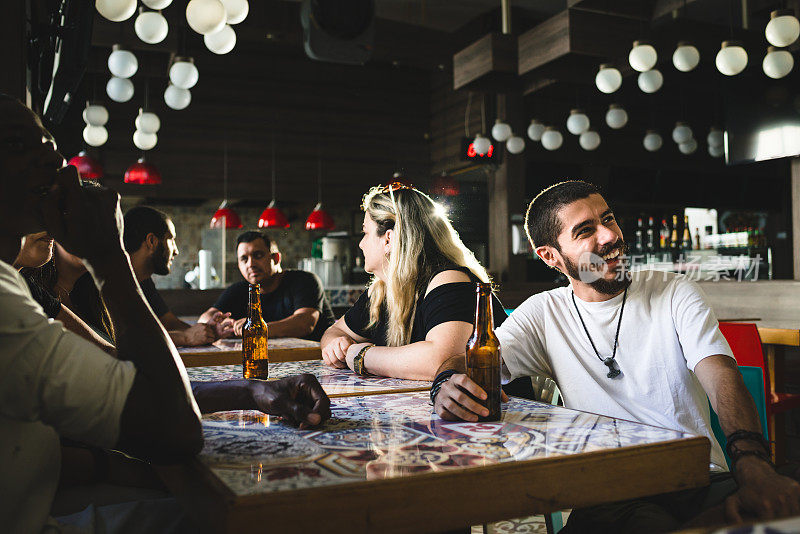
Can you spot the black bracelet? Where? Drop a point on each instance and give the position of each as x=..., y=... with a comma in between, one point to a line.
x=440, y=379
x=735, y=453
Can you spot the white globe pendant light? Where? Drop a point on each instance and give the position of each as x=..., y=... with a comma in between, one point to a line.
x=151, y=26
x=642, y=56
x=147, y=122
x=686, y=56
x=783, y=28
x=535, y=130
x=731, y=58
x=777, y=63
x=608, y=78
x=116, y=10
x=183, y=73
x=221, y=42
x=716, y=151
x=95, y=115
x=715, y=137
x=157, y=4
x=589, y=140
x=501, y=131
x=95, y=135
x=236, y=10
x=577, y=122
x=681, y=133
x=552, y=138
x=206, y=16
x=652, y=141
x=689, y=147
x=122, y=63
x=481, y=144
x=119, y=89
x=616, y=116
x=650, y=81
x=515, y=144
x=177, y=98
x=144, y=141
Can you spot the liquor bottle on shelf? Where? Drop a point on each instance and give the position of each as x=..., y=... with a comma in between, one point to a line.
x=674, y=244
x=651, y=236
x=697, y=239
x=686, y=241
x=483, y=353
x=638, y=245
x=663, y=236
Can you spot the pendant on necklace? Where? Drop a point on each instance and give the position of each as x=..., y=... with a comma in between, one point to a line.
x=612, y=371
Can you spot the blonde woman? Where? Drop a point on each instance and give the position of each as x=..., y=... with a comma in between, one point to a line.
x=419, y=308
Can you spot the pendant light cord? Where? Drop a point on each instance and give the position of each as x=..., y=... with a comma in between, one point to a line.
x=225, y=172
x=319, y=181
x=466, y=115
x=274, y=180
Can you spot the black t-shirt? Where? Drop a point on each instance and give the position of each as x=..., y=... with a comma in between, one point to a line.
x=50, y=304
x=297, y=289
x=447, y=302
x=153, y=297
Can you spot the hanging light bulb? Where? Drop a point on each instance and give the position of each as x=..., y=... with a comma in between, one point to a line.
x=119, y=89
x=716, y=151
x=731, y=58
x=319, y=219
x=95, y=114
x=206, y=16
x=681, y=133
x=552, y=138
x=116, y=10
x=535, y=130
x=652, y=141
x=143, y=173
x=95, y=135
x=608, y=78
x=715, y=137
x=183, y=73
x=501, y=131
x=650, y=81
x=589, y=140
x=236, y=10
x=144, y=141
x=686, y=56
x=481, y=144
x=177, y=98
x=777, y=63
x=122, y=63
x=515, y=144
x=157, y=4
x=222, y=41
x=783, y=28
x=688, y=147
x=88, y=168
x=642, y=56
x=616, y=116
x=151, y=26
x=577, y=122
x=147, y=121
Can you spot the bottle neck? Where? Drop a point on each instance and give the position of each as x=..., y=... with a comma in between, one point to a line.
x=484, y=318
x=254, y=301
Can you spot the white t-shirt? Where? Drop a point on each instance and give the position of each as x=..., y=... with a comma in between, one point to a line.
x=667, y=328
x=52, y=383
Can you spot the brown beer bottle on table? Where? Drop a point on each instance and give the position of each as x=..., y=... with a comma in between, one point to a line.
x=483, y=353
x=255, y=358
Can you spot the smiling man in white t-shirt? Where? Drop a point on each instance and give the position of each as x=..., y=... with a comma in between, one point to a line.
x=644, y=347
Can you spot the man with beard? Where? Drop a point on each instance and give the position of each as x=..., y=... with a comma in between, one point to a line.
x=633, y=346
x=150, y=241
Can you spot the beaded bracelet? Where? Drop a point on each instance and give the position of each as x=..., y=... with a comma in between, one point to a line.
x=440, y=379
x=735, y=453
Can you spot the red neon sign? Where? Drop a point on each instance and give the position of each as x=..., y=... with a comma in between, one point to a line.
x=472, y=153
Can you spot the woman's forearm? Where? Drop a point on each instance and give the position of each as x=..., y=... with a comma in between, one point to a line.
x=416, y=361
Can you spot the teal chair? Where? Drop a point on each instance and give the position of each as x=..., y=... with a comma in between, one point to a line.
x=754, y=382
x=509, y=310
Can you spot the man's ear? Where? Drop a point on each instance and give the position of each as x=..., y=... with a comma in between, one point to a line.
x=549, y=255
x=151, y=241
x=276, y=257
x=387, y=241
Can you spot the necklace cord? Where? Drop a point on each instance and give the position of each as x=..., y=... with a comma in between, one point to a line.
x=616, y=336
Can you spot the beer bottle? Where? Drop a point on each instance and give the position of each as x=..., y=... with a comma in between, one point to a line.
x=483, y=353
x=255, y=358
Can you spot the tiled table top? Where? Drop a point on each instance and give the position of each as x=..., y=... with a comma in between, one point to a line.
x=229, y=351
x=335, y=382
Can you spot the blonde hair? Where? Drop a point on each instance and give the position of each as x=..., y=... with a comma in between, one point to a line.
x=424, y=242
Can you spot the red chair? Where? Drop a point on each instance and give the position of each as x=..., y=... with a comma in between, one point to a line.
x=747, y=349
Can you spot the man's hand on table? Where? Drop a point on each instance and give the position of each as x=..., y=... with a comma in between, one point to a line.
x=335, y=353
x=222, y=324
x=454, y=403
x=299, y=400
x=762, y=493
x=199, y=334
x=238, y=326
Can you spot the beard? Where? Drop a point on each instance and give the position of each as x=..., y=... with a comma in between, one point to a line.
x=160, y=260
x=594, y=276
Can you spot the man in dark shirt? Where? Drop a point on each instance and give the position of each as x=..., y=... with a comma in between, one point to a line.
x=149, y=239
x=293, y=303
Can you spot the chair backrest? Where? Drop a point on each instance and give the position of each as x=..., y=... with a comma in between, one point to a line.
x=746, y=346
x=754, y=382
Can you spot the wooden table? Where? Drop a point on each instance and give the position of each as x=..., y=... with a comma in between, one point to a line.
x=229, y=351
x=335, y=382
x=384, y=463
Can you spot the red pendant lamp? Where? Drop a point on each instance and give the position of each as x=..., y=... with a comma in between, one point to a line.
x=319, y=219
x=225, y=215
x=142, y=173
x=272, y=216
x=88, y=167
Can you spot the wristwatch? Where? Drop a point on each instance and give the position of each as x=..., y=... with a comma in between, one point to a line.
x=358, y=361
